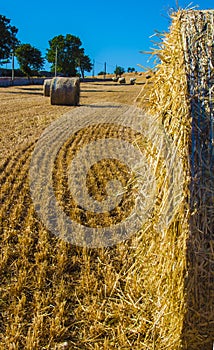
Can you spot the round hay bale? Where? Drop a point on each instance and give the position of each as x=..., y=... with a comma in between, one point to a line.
x=46, y=87
x=122, y=80
x=65, y=91
x=132, y=81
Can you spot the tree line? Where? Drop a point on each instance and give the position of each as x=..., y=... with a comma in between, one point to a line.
x=66, y=50
x=65, y=53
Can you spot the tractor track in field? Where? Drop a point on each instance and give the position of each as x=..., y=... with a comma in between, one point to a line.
x=15, y=167
x=15, y=196
x=44, y=280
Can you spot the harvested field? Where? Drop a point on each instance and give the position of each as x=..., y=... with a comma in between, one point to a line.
x=25, y=113
x=50, y=290
x=153, y=289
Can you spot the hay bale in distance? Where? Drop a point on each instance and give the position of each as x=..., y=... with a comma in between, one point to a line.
x=46, y=87
x=65, y=91
x=122, y=80
x=132, y=81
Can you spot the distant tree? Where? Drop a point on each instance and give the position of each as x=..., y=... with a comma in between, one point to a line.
x=8, y=40
x=30, y=59
x=84, y=63
x=70, y=55
x=130, y=70
x=119, y=71
x=101, y=73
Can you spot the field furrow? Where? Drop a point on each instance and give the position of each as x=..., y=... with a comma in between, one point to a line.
x=50, y=288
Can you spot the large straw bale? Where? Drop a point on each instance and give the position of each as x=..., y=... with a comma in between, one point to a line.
x=46, y=87
x=197, y=29
x=65, y=91
x=179, y=278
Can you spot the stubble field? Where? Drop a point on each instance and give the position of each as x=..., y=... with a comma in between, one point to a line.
x=55, y=295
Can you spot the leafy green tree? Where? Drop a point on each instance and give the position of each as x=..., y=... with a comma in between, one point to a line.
x=30, y=59
x=130, y=70
x=119, y=71
x=84, y=63
x=8, y=40
x=70, y=55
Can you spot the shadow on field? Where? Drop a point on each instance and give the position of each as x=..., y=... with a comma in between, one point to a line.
x=30, y=88
x=99, y=106
x=88, y=90
x=109, y=84
x=25, y=92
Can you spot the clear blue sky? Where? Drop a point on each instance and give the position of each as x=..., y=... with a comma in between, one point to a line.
x=111, y=31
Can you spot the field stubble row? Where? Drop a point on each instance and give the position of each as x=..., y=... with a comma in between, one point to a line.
x=53, y=293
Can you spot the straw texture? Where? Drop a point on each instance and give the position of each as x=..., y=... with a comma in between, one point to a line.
x=65, y=91
x=181, y=95
x=197, y=29
x=46, y=87
x=155, y=290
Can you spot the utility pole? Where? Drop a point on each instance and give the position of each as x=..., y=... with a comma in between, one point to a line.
x=79, y=64
x=56, y=53
x=104, y=70
x=93, y=68
x=12, y=77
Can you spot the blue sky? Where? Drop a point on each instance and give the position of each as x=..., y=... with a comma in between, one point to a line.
x=113, y=31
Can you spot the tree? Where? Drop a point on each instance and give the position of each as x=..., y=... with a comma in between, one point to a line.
x=84, y=63
x=119, y=71
x=8, y=40
x=30, y=59
x=130, y=70
x=70, y=55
